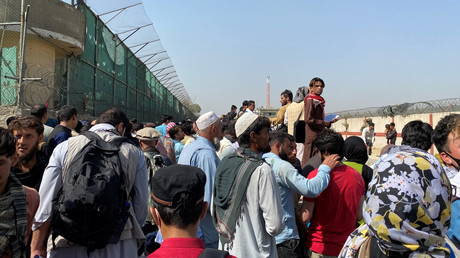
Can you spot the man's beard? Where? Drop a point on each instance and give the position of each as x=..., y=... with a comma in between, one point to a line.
x=283, y=155
x=29, y=156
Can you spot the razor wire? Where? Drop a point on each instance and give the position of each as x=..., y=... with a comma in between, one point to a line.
x=405, y=109
x=128, y=20
x=108, y=73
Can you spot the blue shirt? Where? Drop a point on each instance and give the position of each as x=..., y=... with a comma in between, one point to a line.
x=161, y=129
x=178, y=147
x=201, y=153
x=454, y=230
x=290, y=181
x=58, y=135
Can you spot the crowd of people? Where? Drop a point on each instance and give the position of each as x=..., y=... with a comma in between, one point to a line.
x=240, y=185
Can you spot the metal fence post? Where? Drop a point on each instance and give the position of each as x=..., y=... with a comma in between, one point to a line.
x=22, y=45
x=96, y=51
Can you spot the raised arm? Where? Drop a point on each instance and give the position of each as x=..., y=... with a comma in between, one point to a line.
x=310, y=187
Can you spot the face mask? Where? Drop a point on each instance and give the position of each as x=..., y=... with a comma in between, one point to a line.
x=450, y=171
x=455, y=159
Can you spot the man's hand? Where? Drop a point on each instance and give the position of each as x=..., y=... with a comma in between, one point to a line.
x=332, y=161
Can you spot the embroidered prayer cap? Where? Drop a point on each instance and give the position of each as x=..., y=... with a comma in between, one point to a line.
x=206, y=120
x=244, y=122
x=169, y=183
x=147, y=134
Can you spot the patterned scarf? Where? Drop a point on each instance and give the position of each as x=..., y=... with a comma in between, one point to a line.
x=13, y=219
x=407, y=206
x=317, y=98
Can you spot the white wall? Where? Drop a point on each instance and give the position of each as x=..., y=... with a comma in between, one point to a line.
x=355, y=124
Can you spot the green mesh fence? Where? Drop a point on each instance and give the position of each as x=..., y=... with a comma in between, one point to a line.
x=9, y=50
x=8, y=65
x=108, y=74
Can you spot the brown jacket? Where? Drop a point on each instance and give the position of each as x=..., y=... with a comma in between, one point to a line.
x=314, y=124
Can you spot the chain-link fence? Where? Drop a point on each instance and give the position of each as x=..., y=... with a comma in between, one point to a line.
x=107, y=73
x=9, y=50
x=433, y=106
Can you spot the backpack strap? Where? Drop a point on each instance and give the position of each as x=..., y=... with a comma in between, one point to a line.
x=92, y=136
x=75, y=145
x=213, y=253
x=118, y=141
x=300, y=114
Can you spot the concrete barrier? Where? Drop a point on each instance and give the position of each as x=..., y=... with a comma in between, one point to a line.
x=352, y=126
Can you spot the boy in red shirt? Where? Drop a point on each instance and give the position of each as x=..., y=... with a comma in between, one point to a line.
x=177, y=194
x=333, y=214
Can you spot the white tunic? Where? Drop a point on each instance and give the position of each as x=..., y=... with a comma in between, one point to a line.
x=261, y=217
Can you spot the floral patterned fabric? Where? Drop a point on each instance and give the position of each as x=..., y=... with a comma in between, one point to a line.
x=407, y=207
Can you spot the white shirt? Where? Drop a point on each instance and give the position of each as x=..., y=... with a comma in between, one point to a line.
x=52, y=180
x=261, y=217
x=226, y=148
x=368, y=135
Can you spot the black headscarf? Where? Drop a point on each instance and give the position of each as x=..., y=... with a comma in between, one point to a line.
x=355, y=150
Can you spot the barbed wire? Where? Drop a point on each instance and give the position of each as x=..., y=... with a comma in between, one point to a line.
x=405, y=109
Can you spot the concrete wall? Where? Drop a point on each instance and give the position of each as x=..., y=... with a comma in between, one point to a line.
x=58, y=30
x=39, y=63
x=7, y=111
x=352, y=126
x=55, y=20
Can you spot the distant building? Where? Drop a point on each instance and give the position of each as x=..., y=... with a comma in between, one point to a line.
x=268, y=112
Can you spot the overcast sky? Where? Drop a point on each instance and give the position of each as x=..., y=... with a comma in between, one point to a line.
x=370, y=53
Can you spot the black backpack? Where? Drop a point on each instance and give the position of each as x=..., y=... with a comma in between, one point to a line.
x=92, y=206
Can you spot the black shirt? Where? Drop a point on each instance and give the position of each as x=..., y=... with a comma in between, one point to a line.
x=33, y=178
x=59, y=134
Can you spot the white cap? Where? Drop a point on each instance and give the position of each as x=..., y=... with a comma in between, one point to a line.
x=244, y=122
x=206, y=120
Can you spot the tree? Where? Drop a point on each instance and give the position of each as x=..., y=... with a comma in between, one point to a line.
x=195, y=108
